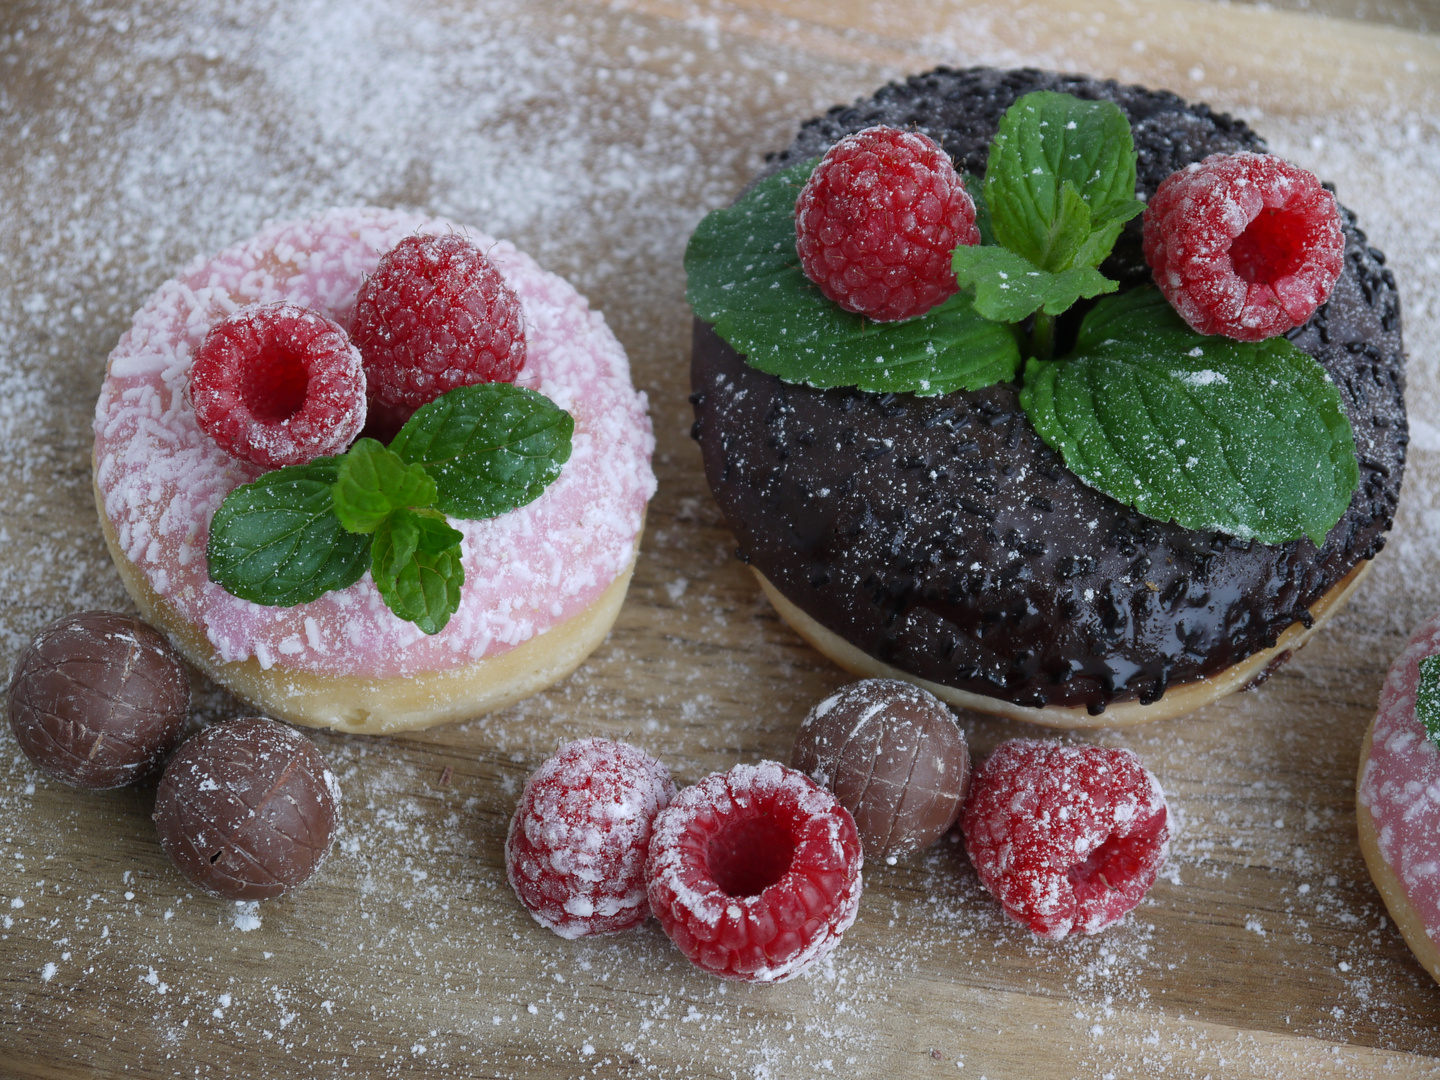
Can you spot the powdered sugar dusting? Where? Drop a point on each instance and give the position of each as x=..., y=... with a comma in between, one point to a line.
x=161, y=477
x=595, y=135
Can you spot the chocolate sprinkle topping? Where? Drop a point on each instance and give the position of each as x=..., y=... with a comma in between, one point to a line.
x=942, y=536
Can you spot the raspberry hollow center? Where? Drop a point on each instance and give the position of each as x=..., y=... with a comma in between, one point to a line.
x=1113, y=865
x=747, y=856
x=274, y=385
x=1273, y=246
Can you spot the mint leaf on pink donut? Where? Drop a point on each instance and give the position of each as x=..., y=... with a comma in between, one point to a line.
x=416, y=566
x=277, y=541
x=489, y=447
x=1249, y=438
x=1427, y=697
x=299, y=532
x=372, y=481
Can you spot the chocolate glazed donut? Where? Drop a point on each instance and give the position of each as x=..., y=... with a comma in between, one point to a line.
x=940, y=540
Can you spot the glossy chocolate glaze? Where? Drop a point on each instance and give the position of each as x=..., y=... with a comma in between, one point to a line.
x=942, y=536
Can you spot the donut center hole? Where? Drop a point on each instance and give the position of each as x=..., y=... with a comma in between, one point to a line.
x=1271, y=247
x=746, y=857
x=275, y=385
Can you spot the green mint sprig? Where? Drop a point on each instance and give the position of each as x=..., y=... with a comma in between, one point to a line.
x=299, y=532
x=1250, y=439
x=1427, y=697
x=1059, y=187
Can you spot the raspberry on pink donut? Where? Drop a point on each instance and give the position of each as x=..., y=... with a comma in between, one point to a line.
x=755, y=873
x=1067, y=838
x=1246, y=245
x=277, y=384
x=435, y=315
x=575, y=853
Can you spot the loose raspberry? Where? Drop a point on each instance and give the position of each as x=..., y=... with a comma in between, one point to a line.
x=755, y=873
x=277, y=385
x=1245, y=245
x=435, y=315
x=575, y=855
x=1067, y=838
x=877, y=220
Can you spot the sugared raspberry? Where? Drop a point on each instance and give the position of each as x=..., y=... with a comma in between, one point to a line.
x=1067, y=838
x=435, y=315
x=755, y=873
x=877, y=220
x=1245, y=245
x=277, y=385
x=575, y=855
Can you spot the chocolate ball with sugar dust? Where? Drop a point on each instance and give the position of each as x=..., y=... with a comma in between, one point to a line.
x=247, y=809
x=894, y=757
x=98, y=699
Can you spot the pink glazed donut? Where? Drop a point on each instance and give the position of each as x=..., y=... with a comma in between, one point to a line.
x=1397, y=804
x=543, y=583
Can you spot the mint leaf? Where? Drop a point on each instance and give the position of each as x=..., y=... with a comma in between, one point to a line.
x=277, y=541
x=975, y=188
x=1008, y=287
x=372, y=481
x=745, y=278
x=417, y=567
x=489, y=448
x=1060, y=180
x=1427, y=697
x=1248, y=438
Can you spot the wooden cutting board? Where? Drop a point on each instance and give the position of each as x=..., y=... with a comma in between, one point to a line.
x=595, y=135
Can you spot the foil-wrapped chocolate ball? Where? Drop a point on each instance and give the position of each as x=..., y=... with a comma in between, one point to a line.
x=98, y=699
x=247, y=809
x=894, y=757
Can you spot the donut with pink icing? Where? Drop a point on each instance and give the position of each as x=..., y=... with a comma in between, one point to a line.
x=1397, y=803
x=543, y=582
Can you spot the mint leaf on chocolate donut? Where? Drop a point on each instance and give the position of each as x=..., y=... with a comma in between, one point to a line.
x=1249, y=438
x=277, y=541
x=372, y=481
x=745, y=278
x=417, y=567
x=1060, y=181
x=1009, y=287
x=489, y=447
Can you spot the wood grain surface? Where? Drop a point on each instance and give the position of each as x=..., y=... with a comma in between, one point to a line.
x=134, y=137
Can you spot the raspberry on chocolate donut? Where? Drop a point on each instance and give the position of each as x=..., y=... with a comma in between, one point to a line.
x=945, y=538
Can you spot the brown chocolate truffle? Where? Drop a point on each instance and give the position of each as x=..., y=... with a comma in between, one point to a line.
x=246, y=809
x=894, y=757
x=98, y=699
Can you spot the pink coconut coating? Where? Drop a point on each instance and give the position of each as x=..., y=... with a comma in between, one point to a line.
x=1400, y=783
x=161, y=478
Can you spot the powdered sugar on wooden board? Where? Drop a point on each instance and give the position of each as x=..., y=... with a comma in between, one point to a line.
x=595, y=136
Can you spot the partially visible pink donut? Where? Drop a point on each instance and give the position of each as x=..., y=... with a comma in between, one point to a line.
x=543, y=583
x=1397, y=804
